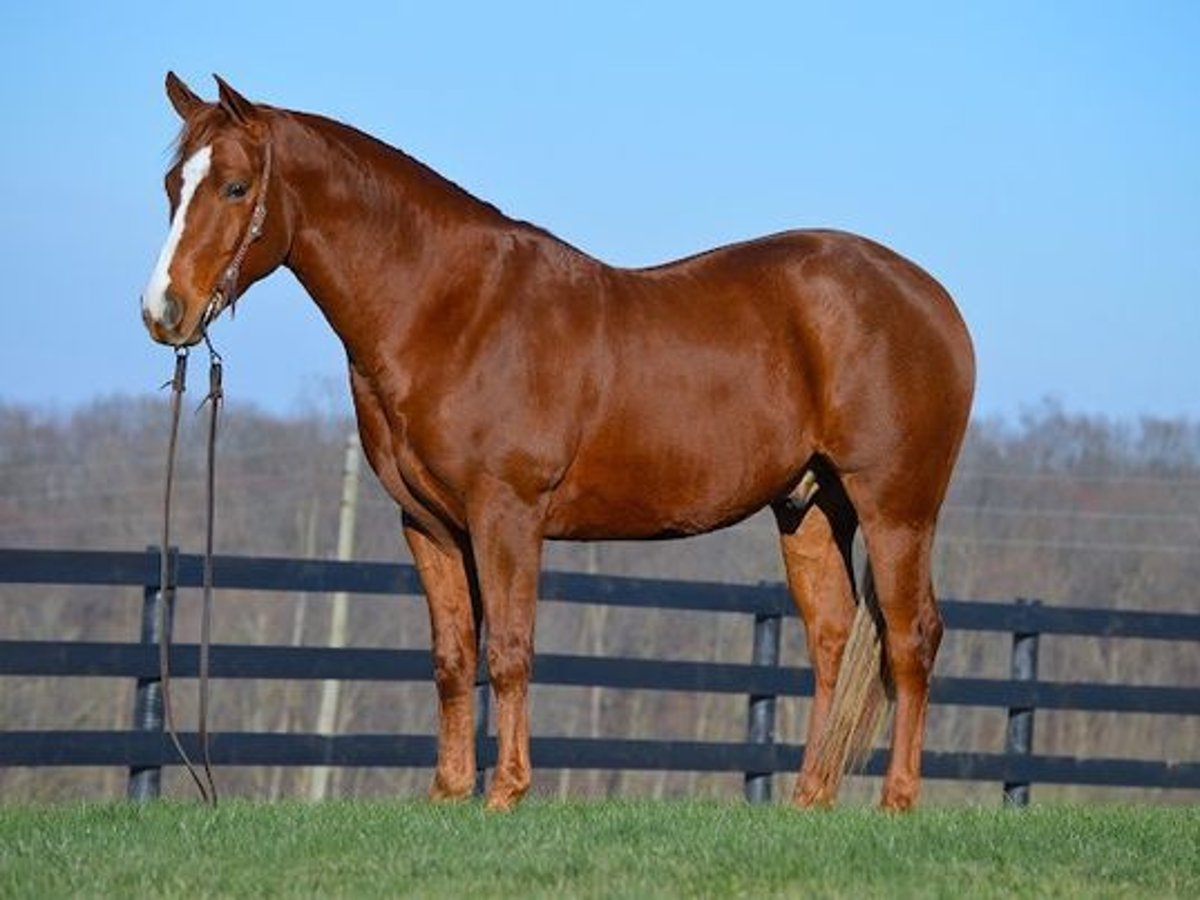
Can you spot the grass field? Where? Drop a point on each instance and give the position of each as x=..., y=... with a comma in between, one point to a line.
x=594, y=849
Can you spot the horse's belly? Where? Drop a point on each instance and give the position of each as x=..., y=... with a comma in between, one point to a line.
x=608, y=519
x=672, y=491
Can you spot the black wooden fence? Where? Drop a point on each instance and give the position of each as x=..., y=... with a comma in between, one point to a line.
x=144, y=750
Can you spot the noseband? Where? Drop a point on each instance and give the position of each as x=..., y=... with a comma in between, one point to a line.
x=225, y=292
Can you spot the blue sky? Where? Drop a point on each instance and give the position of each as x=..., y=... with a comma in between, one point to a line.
x=1041, y=159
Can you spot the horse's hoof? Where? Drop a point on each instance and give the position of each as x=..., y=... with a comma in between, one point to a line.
x=501, y=804
x=896, y=801
x=810, y=795
x=504, y=797
x=447, y=791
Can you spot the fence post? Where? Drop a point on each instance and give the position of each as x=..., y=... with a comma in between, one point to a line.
x=1019, y=737
x=145, y=782
x=760, y=728
x=482, y=700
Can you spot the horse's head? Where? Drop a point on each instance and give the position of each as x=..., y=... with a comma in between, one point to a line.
x=228, y=229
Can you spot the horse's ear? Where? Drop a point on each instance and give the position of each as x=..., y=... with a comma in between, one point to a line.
x=181, y=96
x=235, y=105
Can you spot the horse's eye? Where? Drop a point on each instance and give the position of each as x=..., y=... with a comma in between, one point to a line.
x=235, y=190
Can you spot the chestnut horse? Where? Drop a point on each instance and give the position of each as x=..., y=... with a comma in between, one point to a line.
x=510, y=388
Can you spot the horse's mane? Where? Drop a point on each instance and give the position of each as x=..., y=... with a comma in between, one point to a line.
x=201, y=127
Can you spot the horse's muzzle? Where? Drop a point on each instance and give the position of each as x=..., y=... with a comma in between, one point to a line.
x=165, y=329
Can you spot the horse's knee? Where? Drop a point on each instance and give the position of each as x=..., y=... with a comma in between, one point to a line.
x=510, y=662
x=453, y=668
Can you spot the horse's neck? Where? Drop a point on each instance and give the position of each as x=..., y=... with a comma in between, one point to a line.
x=376, y=232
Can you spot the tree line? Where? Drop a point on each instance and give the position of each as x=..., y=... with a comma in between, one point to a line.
x=1068, y=508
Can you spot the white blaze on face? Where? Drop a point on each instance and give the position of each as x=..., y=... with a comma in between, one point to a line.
x=194, y=171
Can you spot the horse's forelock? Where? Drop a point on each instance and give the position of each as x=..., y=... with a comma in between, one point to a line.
x=197, y=131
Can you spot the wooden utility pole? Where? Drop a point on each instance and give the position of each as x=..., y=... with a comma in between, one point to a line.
x=331, y=688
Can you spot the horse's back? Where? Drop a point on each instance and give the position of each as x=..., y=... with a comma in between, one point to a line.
x=718, y=377
x=836, y=323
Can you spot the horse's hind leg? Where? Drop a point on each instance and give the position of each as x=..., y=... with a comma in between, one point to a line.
x=900, y=550
x=816, y=539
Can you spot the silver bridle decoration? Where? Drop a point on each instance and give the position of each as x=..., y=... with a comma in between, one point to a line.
x=225, y=293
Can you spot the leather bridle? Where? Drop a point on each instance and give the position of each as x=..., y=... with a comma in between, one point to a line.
x=224, y=295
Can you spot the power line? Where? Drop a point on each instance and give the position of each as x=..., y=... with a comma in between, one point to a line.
x=1065, y=512
x=1091, y=546
x=183, y=482
x=1149, y=480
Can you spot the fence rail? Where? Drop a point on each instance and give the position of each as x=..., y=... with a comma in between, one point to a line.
x=144, y=751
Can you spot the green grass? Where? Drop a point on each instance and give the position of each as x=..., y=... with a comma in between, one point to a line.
x=594, y=849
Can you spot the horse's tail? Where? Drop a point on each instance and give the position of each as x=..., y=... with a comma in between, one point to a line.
x=862, y=696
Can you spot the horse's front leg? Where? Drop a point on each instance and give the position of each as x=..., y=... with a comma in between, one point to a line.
x=506, y=541
x=455, y=652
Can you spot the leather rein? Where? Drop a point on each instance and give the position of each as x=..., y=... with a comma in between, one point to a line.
x=224, y=295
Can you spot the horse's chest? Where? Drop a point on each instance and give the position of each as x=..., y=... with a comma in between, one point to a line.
x=391, y=440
